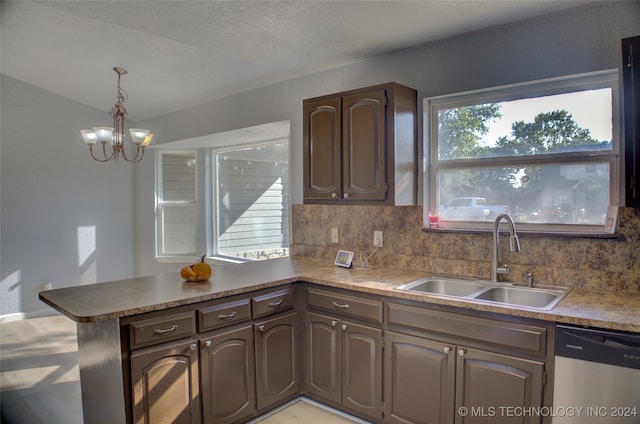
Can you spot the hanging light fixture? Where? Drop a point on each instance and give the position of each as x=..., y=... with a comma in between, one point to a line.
x=114, y=136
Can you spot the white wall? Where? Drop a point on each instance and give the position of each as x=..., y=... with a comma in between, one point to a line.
x=66, y=219
x=584, y=40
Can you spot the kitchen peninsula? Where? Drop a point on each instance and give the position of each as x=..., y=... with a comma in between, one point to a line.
x=112, y=318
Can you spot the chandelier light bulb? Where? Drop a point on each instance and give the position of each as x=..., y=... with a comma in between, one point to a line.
x=147, y=140
x=89, y=137
x=138, y=135
x=104, y=134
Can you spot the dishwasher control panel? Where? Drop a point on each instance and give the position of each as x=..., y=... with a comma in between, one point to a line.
x=595, y=345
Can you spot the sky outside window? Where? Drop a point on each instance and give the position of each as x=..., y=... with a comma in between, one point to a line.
x=590, y=109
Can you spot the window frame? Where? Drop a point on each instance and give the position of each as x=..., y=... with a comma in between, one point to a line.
x=202, y=147
x=559, y=85
x=161, y=203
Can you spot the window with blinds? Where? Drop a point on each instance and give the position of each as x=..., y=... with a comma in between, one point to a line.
x=177, y=204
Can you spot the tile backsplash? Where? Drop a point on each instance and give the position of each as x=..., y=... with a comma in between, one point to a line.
x=606, y=264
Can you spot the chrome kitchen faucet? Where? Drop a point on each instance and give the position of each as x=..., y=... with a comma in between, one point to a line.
x=514, y=244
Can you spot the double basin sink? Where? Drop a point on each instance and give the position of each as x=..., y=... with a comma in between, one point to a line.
x=484, y=291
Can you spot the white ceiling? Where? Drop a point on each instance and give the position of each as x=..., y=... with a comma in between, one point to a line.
x=183, y=53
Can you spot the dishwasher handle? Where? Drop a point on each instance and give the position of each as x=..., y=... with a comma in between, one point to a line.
x=622, y=343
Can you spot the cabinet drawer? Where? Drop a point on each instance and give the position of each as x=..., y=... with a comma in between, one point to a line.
x=271, y=303
x=366, y=309
x=224, y=314
x=157, y=330
x=520, y=336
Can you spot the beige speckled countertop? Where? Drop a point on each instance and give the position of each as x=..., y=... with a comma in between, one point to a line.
x=134, y=296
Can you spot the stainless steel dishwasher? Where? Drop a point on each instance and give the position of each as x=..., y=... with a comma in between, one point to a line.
x=597, y=377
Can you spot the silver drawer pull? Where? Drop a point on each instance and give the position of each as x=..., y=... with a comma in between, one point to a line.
x=341, y=305
x=159, y=331
x=275, y=304
x=227, y=316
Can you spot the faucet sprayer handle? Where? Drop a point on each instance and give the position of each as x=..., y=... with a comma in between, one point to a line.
x=514, y=243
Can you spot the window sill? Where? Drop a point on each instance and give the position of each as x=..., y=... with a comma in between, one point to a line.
x=532, y=233
x=218, y=260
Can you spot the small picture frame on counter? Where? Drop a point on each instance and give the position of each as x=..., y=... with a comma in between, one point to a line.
x=344, y=258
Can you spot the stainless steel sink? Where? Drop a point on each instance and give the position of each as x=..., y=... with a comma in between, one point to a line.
x=443, y=286
x=530, y=297
x=486, y=291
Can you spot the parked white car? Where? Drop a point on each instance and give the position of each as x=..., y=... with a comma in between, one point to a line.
x=471, y=208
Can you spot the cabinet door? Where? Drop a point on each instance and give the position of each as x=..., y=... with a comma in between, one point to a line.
x=419, y=380
x=227, y=375
x=277, y=375
x=323, y=357
x=165, y=384
x=322, y=150
x=364, y=146
x=362, y=369
x=631, y=80
x=487, y=384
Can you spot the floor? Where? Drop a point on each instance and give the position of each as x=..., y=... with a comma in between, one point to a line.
x=39, y=378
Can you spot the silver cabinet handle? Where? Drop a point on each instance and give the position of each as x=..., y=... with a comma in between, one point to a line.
x=447, y=349
x=346, y=195
x=334, y=323
x=261, y=328
x=461, y=352
x=193, y=346
x=334, y=195
x=341, y=305
x=160, y=331
x=344, y=326
x=207, y=343
x=275, y=304
x=227, y=316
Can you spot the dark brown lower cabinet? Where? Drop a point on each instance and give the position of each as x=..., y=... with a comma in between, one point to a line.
x=324, y=357
x=344, y=364
x=362, y=369
x=165, y=384
x=419, y=380
x=277, y=364
x=428, y=381
x=436, y=363
x=495, y=388
x=227, y=369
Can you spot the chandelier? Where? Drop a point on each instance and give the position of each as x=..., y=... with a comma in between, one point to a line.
x=114, y=136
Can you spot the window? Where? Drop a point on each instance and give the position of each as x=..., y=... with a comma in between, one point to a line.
x=177, y=204
x=546, y=152
x=252, y=201
x=225, y=194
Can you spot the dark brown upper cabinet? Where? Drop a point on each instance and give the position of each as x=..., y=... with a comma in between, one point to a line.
x=360, y=147
x=631, y=88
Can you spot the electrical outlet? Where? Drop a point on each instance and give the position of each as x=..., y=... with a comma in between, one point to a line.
x=334, y=236
x=377, y=238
